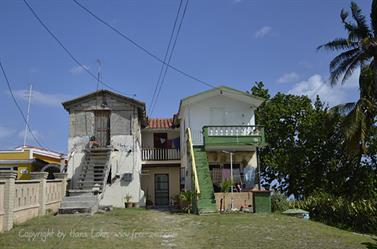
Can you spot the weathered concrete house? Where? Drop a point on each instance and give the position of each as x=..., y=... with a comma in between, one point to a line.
x=104, y=146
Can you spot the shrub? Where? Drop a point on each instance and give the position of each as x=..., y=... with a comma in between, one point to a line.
x=337, y=211
x=279, y=202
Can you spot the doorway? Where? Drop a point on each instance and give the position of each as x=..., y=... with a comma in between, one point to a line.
x=102, y=127
x=161, y=189
x=160, y=140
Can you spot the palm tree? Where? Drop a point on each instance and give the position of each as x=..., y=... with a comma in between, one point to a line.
x=360, y=46
x=359, y=50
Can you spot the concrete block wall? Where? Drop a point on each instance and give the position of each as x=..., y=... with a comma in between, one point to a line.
x=21, y=200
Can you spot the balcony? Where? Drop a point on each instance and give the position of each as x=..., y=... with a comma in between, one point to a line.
x=233, y=137
x=154, y=154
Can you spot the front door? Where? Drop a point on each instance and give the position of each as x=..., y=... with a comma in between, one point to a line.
x=102, y=127
x=161, y=189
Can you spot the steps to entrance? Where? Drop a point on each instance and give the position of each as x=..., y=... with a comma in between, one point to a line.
x=79, y=202
x=94, y=169
x=206, y=202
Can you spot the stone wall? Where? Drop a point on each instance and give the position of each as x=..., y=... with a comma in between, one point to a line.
x=21, y=200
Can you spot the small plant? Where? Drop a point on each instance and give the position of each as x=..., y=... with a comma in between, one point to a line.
x=225, y=186
x=187, y=197
x=279, y=202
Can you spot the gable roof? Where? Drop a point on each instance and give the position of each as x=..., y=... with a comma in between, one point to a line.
x=237, y=95
x=160, y=123
x=69, y=103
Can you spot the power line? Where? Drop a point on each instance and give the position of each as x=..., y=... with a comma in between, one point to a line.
x=171, y=55
x=165, y=57
x=18, y=106
x=70, y=54
x=141, y=47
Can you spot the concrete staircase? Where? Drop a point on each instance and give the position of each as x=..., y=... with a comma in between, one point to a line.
x=206, y=202
x=95, y=169
x=79, y=202
x=94, y=173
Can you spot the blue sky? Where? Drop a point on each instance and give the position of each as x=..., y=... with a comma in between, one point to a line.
x=223, y=42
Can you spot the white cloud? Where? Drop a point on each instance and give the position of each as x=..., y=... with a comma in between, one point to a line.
x=46, y=99
x=288, y=77
x=6, y=132
x=316, y=85
x=78, y=70
x=262, y=32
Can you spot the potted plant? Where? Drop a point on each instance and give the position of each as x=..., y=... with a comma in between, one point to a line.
x=127, y=203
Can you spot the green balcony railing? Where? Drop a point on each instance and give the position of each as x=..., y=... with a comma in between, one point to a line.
x=224, y=136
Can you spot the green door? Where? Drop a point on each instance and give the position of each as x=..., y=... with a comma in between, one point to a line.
x=161, y=189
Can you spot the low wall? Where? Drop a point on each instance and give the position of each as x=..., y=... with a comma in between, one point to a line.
x=240, y=199
x=26, y=200
x=21, y=200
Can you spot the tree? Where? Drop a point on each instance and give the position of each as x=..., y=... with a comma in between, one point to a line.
x=361, y=51
x=259, y=90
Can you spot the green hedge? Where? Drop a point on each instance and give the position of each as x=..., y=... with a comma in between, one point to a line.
x=279, y=202
x=337, y=211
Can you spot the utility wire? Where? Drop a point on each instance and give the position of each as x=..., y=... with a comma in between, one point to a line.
x=70, y=54
x=165, y=57
x=171, y=55
x=141, y=47
x=18, y=106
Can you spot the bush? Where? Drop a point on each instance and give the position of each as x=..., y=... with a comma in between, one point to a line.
x=279, y=202
x=337, y=211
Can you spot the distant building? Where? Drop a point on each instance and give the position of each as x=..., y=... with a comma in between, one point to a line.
x=31, y=159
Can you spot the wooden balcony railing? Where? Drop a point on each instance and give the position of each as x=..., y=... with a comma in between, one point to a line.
x=154, y=154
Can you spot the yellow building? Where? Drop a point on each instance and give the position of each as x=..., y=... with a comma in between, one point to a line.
x=31, y=159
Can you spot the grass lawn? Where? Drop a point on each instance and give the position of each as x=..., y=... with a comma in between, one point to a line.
x=139, y=228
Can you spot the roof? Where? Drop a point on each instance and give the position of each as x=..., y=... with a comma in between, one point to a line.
x=69, y=103
x=40, y=150
x=160, y=123
x=225, y=89
x=222, y=90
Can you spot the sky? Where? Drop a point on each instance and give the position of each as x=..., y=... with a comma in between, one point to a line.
x=222, y=42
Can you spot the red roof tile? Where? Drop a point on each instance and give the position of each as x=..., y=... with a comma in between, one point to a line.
x=160, y=123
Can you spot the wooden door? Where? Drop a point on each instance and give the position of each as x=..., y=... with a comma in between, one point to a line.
x=102, y=127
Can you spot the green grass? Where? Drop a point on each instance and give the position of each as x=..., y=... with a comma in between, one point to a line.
x=139, y=228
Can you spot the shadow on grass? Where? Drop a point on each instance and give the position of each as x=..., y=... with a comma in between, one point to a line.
x=370, y=245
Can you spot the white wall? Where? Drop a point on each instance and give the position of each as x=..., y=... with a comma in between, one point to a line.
x=208, y=112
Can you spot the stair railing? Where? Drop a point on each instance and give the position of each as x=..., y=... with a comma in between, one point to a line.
x=106, y=175
x=191, y=149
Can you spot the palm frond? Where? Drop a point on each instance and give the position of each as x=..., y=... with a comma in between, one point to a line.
x=363, y=28
x=343, y=56
x=343, y=15
x=373, y=17
x=345, y=68
x=338, y=44
x=343, y=109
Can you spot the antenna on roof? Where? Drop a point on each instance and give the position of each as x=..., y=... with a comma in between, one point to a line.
x=99, y=72
x=28, y=113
